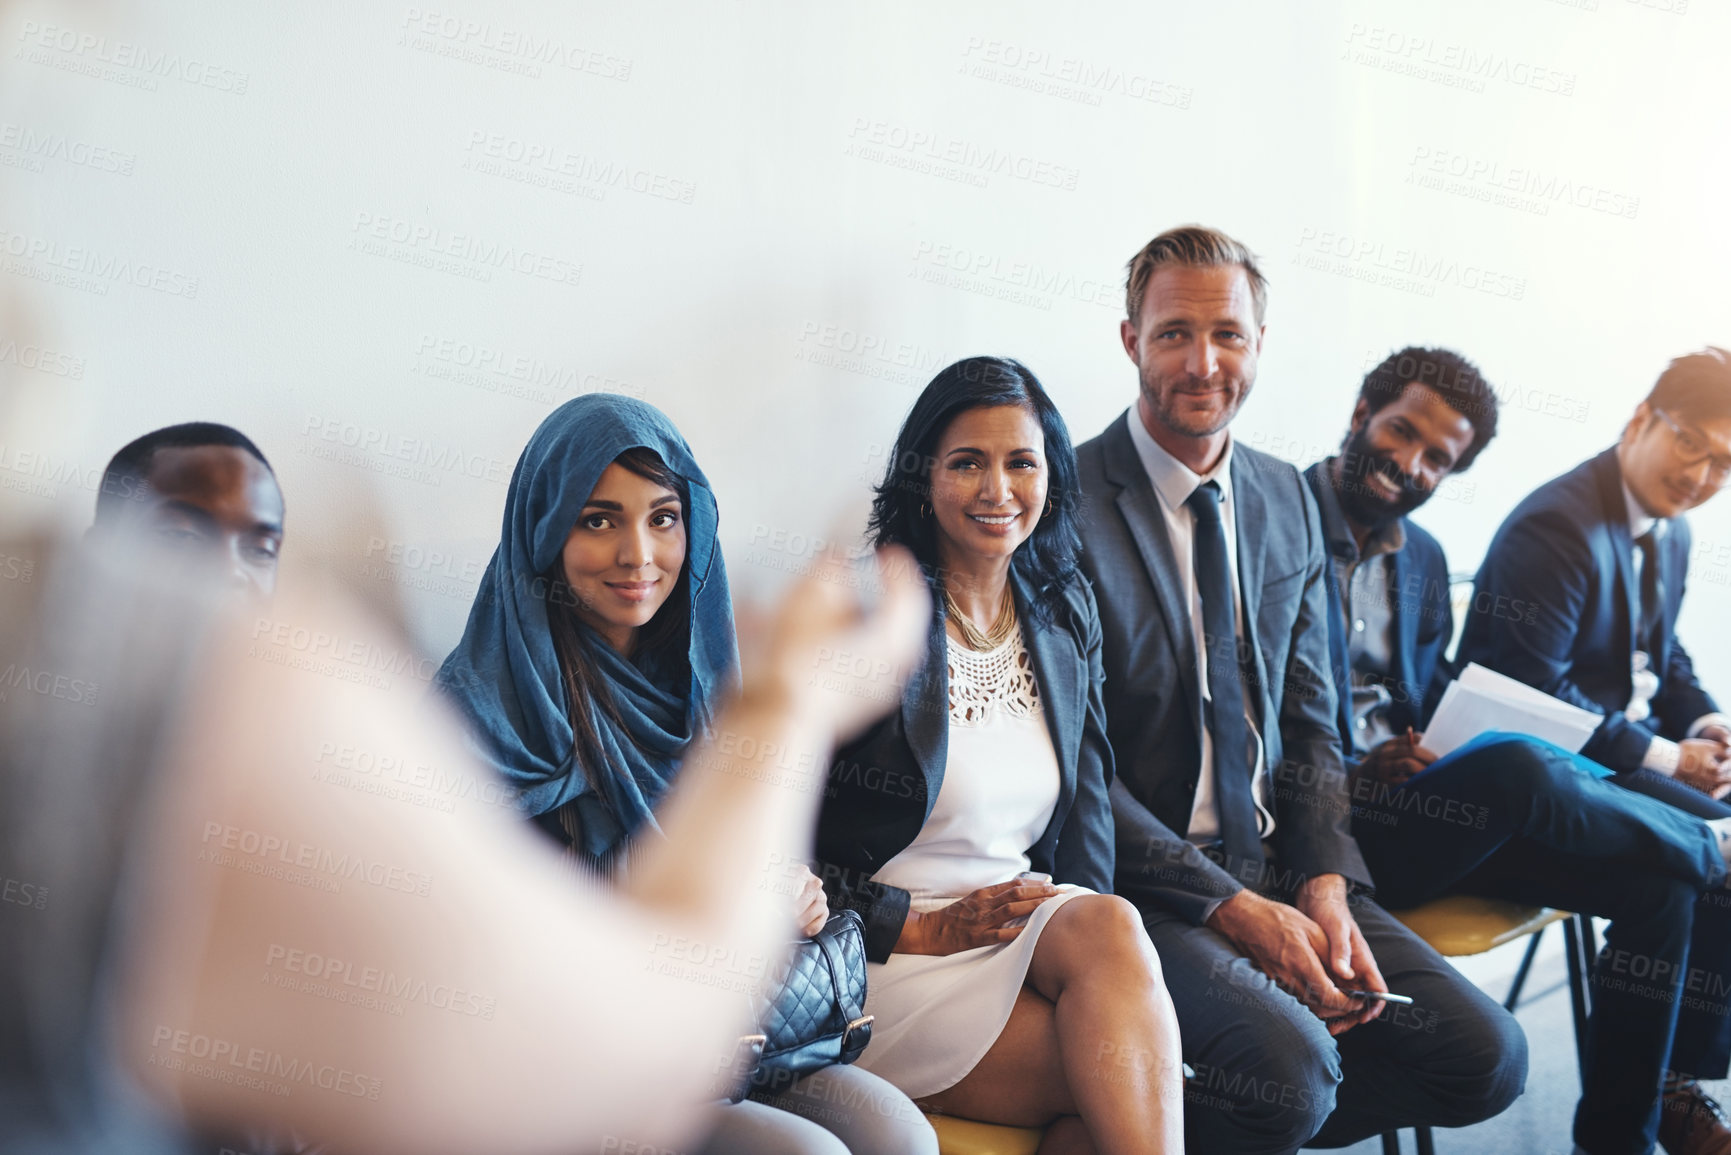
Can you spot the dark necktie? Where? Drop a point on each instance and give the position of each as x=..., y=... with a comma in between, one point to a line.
x=1652, y=600
x=1227, y=724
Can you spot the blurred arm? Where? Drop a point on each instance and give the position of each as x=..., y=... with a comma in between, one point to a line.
x=399, y=977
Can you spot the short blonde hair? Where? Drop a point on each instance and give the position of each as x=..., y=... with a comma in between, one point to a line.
x=1194, y=246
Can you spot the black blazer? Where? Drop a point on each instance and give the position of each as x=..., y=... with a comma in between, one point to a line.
x=1154, y=701
x=1554, y=604
x=882, y=786
x=1419, y=596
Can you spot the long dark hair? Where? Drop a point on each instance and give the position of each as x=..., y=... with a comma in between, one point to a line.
x=1047, y=560
x=663, y=644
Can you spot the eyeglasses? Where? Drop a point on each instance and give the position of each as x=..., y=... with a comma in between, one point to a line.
x=1692, y=449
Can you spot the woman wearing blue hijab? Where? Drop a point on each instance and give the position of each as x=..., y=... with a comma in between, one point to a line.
x=598, y=647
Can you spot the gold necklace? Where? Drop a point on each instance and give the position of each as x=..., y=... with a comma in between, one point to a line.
x=972, y=636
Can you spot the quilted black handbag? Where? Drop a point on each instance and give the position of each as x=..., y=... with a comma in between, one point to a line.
x=817, y=1018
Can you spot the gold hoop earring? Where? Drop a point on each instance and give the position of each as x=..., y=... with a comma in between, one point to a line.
x=1048, y=512
x=925, y=509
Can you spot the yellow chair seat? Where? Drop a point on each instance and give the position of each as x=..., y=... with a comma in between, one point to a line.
x=966, y=1137
x=1460, y=924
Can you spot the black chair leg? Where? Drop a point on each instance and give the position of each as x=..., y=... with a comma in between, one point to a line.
x=1521, y=972
x=1577, y=934
x=1425, y=1146
x=1391, y=1143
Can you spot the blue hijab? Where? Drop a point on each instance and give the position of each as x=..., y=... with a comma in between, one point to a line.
x=504, y=674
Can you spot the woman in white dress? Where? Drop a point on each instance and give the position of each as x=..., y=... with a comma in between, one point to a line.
x=972, y=829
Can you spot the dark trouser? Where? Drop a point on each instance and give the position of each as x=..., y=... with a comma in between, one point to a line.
x=1530, y=826
x=1270, y=1079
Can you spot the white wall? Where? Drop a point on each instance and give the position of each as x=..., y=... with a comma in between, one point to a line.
x=751, y=189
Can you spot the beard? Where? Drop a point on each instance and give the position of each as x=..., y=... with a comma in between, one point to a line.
x=1172, y=400
x=1364, y=505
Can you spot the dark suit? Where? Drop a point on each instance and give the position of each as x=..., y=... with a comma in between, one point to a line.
x=1519, y=820
x=883, y=785
x=1555, y=599
x=1461, y=1058
x=1153, y=699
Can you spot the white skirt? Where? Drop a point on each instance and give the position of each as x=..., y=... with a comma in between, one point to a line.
x=938, y=1015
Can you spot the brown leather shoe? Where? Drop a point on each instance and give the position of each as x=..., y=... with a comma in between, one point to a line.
x=1691, y=1123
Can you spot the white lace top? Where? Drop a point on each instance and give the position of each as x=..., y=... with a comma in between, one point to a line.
x=1000, y=784
x=984, y=681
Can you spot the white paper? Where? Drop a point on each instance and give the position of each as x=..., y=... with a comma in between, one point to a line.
x=1482, y=700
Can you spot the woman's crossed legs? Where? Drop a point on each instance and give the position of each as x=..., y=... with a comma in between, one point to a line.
x=1091, y=1047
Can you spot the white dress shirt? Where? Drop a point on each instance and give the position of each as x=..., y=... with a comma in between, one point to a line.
x=1174, y=483
x=1662, y=754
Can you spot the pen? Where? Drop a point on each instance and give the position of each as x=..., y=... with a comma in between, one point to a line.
x=1382, y=996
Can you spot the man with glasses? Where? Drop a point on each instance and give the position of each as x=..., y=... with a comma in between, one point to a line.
x=1579, y=596
x=1511, y=818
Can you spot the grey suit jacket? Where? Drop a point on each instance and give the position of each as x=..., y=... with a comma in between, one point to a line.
x=883, y=785
x=1153, y=696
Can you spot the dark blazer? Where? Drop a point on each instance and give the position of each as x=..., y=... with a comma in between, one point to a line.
x=1555, y=602
x=1423, y=625
x=882, y=786
x=1154, y=702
